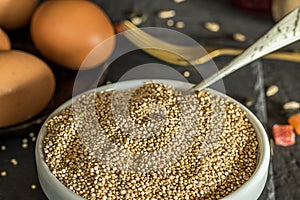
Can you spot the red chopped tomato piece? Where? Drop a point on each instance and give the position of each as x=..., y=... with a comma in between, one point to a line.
x=283, y=135
x=294, y=120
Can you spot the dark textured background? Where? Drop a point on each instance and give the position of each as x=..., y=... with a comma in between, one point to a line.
x=248, y=82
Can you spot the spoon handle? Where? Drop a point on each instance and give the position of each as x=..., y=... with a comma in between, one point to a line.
x=281, y=34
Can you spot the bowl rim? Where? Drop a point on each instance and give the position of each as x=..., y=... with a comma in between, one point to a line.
x=264, y=147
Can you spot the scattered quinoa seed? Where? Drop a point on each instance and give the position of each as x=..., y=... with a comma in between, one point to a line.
x=33, y=139
x=3, y=173
x=31, y=134
x=136, y=20
x=3, y=147
x=165, y=14
x=212, y=26
x=272, y=90
x=25, y=140
x=248, y=101
x=14, y=161
x=272, y=146
x=33, y=186
x=24, y=145
x=170, y=22
x=239, y=37
x=291, y=105
x=179, y=1
x=180, y=24
x=39, y=121
x=186, y=74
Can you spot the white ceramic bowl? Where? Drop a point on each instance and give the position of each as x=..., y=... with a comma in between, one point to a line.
x=250, y=190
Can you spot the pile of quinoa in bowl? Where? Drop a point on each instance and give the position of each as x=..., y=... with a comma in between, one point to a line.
x=151, y=142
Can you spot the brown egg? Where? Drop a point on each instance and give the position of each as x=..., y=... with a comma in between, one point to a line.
x=65, y=32
x=15, y=14
x=26, y=86
x=4, y=41
x=280, y=8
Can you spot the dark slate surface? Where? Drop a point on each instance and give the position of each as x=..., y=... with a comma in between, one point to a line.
x=283, y=182
x=286, y=160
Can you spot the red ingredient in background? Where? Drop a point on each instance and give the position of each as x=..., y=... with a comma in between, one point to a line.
x=294, y=120
x=283, y=135
x=254, y=5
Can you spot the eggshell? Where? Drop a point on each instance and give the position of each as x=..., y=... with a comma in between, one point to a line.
x=27, y=85
x=16, y=14
x=4, y=41
x=65, y=32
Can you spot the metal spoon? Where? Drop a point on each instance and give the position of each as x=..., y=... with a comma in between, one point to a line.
x=281, y=34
